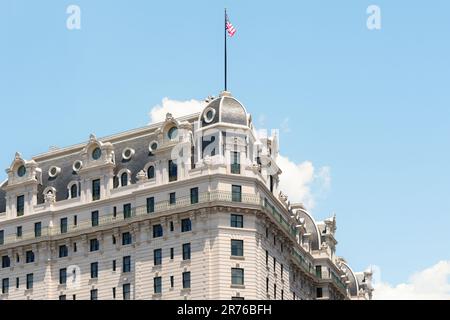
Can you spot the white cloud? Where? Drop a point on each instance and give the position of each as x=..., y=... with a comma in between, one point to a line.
x=429, y=284
x=176, y=108
x=297, y=180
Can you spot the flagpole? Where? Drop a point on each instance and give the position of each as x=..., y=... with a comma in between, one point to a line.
x=225, y=34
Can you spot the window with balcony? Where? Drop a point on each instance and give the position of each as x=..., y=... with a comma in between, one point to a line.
x=157, y=231
x=96, y=190
x=157, y=257
x=127, y=211
x=186, y=225
x=126, y=238
x=237, y=248
x=173, y=171
x=186, y=280
x=126, y=291
x=236, y=193
x=194, y=195
x=94, y=270
x=172, y=198
x=37, y=229
x=126, y=264
x=30, y=280
x=150, y=205
x=157, y=285
x=235, y=163
x=187, y=251
x=20, y=205
x=237, y=276
x=94, y=218
x=237, y=221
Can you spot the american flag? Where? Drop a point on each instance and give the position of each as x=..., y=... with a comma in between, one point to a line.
x=231, y=30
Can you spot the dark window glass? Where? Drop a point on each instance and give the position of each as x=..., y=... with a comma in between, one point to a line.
x=2, y=237
x=126, y=264
x=96, y=154
x=63, y=276
x=94, y=245
x=74, y=191
x=37, y=229
x=21, y=171
x=151, y=172
x=319, y=272
x=62, y=297
x=5, y=286
x=19, y=232
x=235, y=163
x=171, y=253
x=237, y=298
x=267, y=258
x=237, y=276
x=94, y=294
x=30, y=281
x=6, y=262
x=157, y=231
x=114, y=265
x=173, y=133
x=194, y=195
x=186, y=280
x=63, y=225
x=171, y=226
x=94, y=270
x=187, y=251
x=172, y=281
x=319, y=293
x=127, y=211
x=186, y=225
x=173, y=171
x=150, y=205
x=157, y=285
x=126, y=238
x=114, y=293
x=124, y=179
x=274, y=291
x=237, y=248
x=74, y=247
x=236, y=193
x=20, y=205
x=126, y=291
x=157, y=257
x=75, y=220
x=237, y=221
x=17, y=283
x=96, y=190
x=94, y=218
x=29, y=257
x=172, y=198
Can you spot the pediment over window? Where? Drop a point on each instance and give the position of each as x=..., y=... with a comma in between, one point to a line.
x=22, y=171
x=97, y=153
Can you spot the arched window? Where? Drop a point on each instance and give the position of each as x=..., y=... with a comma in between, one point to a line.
x=74, y=191
x=151, y=172
x=124, y=179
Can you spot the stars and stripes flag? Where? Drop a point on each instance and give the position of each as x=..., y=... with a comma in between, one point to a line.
x=230, y=28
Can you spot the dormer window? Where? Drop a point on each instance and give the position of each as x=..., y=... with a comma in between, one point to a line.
x=77, y=165
x=21, y=171
x=151, y=172
x=127, y=154
x=153, y=146
x=209, y=115
x=74, y=191
x=124, y=179
x=97, y=153
x=54, y=171
x=172, y=133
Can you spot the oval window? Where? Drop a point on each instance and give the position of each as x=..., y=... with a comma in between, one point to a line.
x=173, y=133
x=21, y=171
x=96, y=154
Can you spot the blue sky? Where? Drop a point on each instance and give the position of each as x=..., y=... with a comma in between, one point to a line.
x=374, y=106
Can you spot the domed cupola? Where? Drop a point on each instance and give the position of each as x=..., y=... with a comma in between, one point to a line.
x=225, y=109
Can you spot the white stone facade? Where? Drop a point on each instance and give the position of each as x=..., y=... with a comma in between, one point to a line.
x=225, y=190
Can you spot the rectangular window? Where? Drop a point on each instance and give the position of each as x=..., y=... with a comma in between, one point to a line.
x=126, y=238
x=94, y=245
x=237, y=248
x=6, y=262
x=282, y=294
x=2, y=237
x=37, y=229
x=237, y=276
x=236, y=193
x=62, y=297
x=126, y=265
x=150, y=205
x=157, y=285
x=114, y=241
x=171, y=253
x=235, y=163
x=237, y=221
x=171, y=226
x=126, y=291
x=96, y=190
x=19, y=232
x=194, y=195
x=172, y=198
x=267, y=258
x=30, y=281
x=114, y=212
x=94, y=294
x=274, y=291
x=127, y=211
x=186, y=280
x=75, y=220
x=94, y=218
x=267, y=285
x=114, y=265
x=63, y=225
x=173, y=171
x=63, y=276
x=274, y=264
x=29, y=257
x=114, y=293
x=5, y=285
x=187, y=251
x=17, y=283
x=282, y=271
x=157, y=257
x=74, y=247
x=186, y=225
x=94, y=270
x=20, y=205
x=172, y=282
x=157, y=231
x=319, y=293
